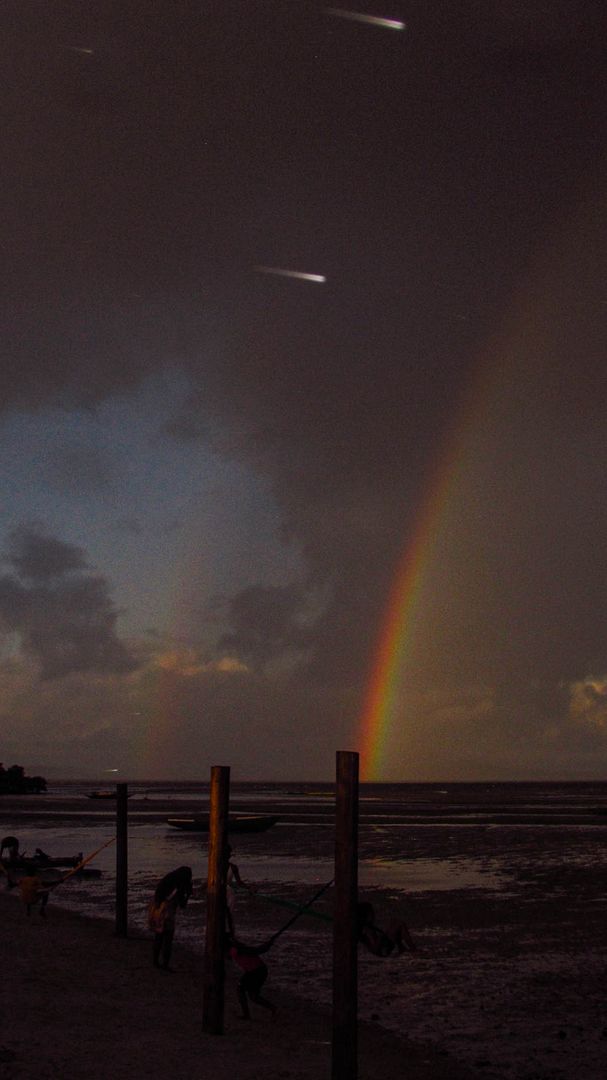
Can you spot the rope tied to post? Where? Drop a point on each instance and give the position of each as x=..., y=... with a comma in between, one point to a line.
x=303, y=910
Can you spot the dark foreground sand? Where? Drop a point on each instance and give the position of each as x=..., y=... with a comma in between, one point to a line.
x=509, y=982
x=78, y=1002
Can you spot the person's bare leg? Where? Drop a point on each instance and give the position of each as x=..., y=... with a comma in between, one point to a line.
x=244, y=1004
x=265, y=1004
x=167, y=940
x=156, y=949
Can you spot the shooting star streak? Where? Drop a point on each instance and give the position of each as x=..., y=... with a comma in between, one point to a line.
x=80, y=49
x=371, y=20
x=319, y=278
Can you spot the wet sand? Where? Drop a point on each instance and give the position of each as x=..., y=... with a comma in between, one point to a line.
x=511, y=981
x=78, y=1002
x=508, y=983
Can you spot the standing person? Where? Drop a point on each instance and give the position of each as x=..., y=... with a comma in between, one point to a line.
x=254, y=973
x=173, y=891
x=233, y=883
x=10, y=844
x=381, y=942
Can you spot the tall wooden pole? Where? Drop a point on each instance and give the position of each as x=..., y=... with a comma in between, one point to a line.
x=345, y=945
x=122, y=860
x=213, y=976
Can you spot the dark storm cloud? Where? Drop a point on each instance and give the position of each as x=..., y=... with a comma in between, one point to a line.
x=38, y=558
x=418, y=171
x=63, y=615
x=268, y=622
x=424, y=175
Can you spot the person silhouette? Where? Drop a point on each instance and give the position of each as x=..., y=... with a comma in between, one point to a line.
x=377, y=941
x=10, y=844
x=254, y=973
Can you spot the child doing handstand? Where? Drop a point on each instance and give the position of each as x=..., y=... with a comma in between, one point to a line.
x=254, y=973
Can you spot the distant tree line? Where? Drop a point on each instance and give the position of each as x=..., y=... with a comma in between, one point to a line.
x=13, y=781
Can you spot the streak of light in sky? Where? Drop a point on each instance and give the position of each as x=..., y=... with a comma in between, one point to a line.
x=372, y=20
x=80, y=49
x=319, y=278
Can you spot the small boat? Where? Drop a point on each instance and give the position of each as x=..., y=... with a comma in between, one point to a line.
x=105, y=795
x=242, y=824
x=41, y=859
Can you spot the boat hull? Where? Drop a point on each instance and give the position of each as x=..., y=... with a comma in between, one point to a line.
x=43, y=862
x=104, y=795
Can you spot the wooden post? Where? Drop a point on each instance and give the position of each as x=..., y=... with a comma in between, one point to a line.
x=345, y=945
x=213, y=975
x=122, y=860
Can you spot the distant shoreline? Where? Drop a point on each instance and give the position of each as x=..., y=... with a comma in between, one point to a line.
x=107, y=780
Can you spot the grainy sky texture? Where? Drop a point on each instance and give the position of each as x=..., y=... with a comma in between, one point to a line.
x=210, y=473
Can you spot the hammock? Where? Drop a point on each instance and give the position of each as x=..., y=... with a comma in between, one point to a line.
x=295, y=907
x=301, y=910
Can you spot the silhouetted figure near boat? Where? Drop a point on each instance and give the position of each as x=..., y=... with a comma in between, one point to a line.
x=254, y=973
x=33, y=892
x=173, y=891
x=377, y=941
x=10, y=844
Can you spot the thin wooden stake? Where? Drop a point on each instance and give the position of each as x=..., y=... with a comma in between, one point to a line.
x=345, y=945
x=213, y=977
x=122, y=860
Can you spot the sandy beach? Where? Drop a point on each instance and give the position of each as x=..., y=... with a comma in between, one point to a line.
x=79, y=1002
x=512, y=988
x=508, y=981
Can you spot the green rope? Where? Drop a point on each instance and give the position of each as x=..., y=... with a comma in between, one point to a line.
x=295, y=907
x=301, y=911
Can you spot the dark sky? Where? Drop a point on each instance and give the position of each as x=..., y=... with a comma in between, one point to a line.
x=211, y=473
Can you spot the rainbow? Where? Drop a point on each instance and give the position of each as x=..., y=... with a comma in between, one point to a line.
x=381, y=698
x=474, y=419
x=531, y=324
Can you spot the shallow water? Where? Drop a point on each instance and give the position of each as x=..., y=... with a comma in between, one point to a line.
x=501, y=885
x=413, y=838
